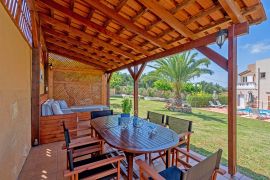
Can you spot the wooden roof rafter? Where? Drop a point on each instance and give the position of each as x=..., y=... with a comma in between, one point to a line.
x=125, y=22
x=77, y=32
x=128, y=32
x=68, y=45
x=73, y=55
x=69, y=13
x=66, y=49
x=66, y=38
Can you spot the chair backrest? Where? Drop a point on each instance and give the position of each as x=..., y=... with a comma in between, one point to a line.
x=204, y=169
x=184, y=125
x=66, y=134
x=218, y=103
x=211, y=103
x=156, y=117
x=96, y=114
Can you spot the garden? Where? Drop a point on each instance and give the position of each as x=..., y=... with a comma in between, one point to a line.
x=210, y=133
x=171, y=83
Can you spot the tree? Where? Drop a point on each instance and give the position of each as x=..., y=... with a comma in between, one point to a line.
x=209, y=87
x=179, y=69
x=163, y=85
x=116, y=80
x=147, y=80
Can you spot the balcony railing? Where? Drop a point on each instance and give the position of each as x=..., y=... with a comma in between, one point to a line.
x=246, y=85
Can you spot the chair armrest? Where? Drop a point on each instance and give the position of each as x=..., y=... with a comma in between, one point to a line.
x=94, y=165
x=185, y=134
x=220, y=171
x=148, y=170
x=192, y=156
x=80, y=129
x=84, y=141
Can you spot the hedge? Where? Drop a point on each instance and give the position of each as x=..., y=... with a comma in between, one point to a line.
x=202, y=100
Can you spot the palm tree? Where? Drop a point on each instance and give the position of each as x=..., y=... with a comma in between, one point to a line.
x=179, y=69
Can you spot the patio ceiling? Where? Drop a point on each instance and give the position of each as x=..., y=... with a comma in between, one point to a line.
x=114, y=34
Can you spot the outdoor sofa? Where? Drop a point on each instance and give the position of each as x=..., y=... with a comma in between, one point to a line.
x=54, y=112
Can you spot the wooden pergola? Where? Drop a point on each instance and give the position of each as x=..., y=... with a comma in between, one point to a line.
x=112, y=35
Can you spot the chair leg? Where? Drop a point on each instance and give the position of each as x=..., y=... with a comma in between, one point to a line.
x=173, y=157
x=176, y=159
x=150, y=159
x=188, y=147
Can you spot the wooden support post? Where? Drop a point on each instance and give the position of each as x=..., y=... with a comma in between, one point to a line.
x=136, y=74
x=232, y=82
x=35, y=110
x=136, y=92
x=109, y=76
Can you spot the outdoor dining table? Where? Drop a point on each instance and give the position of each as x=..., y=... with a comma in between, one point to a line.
x=134, y=140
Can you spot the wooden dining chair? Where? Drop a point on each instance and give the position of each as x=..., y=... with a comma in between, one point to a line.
x=157, y=119
x=206, y=169
x=184, y=130
x=96, y=114
x=105, y=166
x=82, y=146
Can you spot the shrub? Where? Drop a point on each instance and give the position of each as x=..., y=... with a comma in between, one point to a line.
x=202, y=99
x=126, y=105
x=223, y=99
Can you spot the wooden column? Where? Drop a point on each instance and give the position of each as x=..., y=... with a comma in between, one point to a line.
x=35, y=110
x=109, y=76
x=136, y=92
x=232, y=106
x=136, y=74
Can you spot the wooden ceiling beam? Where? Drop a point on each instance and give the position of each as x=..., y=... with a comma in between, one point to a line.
x=86, y=22
x=98, y=60
x=203, y=41
x=58, y=35
x=83, y=35
x=214, y=56
x=203, y=13
x=233, y=11
x=72, y=56
x=126, y=23
x=167, y=17
x=85, y=56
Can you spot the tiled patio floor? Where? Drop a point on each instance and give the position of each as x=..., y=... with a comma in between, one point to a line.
x=48, y=162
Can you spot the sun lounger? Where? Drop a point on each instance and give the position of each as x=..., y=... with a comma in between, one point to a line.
x=211, y=104
x=219, y=104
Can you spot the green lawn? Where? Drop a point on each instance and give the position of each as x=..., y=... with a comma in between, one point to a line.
x=210, y=133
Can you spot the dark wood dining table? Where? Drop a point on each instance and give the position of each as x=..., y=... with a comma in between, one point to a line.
x=133, y=141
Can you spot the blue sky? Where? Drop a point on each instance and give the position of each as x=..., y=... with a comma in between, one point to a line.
x=251, y=47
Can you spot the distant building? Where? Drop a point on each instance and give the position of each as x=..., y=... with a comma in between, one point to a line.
x=254, y=85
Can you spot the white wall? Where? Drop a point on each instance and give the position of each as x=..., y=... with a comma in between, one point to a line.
x=264, y=88
x=15, y=97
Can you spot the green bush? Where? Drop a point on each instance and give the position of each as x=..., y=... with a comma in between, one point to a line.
x=223, y=99
x=126, y=105
x=202, y=99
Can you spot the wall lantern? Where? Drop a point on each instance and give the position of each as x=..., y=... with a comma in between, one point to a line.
x=50, y=66
x=221, y=37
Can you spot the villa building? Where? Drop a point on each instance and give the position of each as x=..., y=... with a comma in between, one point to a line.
x=253, y=88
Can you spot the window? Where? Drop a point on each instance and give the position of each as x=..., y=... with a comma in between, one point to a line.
x=244, y=79
x=262, y=75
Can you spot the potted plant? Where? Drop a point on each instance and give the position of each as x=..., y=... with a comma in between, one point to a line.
x=126, y=107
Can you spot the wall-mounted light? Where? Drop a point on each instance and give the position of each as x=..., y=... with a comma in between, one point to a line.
x=50, y=66
x=221, y=37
